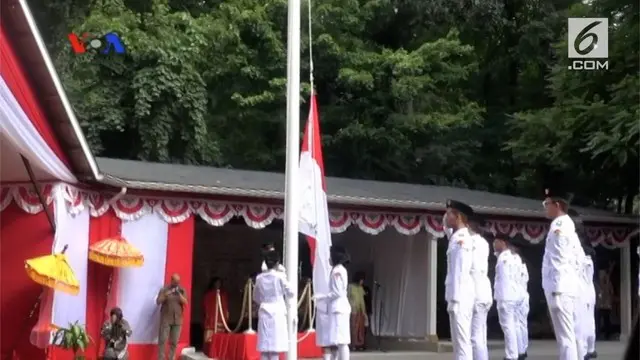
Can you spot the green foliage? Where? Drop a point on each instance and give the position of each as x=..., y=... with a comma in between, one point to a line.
x=73, y=338
x=473, y=94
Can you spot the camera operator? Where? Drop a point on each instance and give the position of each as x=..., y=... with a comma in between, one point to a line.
x=172, y=300
x=115, y=332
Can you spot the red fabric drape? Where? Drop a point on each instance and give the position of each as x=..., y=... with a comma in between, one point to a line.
x=22, y=236
x=100, y=228
x=14, y=75
x=210, y=304
x=180, y=260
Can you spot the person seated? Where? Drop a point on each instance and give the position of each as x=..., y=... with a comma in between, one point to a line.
x=115, y=332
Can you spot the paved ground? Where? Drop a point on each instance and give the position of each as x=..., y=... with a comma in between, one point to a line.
x=539, y=350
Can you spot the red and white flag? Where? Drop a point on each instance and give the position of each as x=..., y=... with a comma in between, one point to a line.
x=314, y=211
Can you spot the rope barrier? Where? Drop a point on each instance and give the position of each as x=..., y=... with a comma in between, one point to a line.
x=247, y=300
x=219, y=310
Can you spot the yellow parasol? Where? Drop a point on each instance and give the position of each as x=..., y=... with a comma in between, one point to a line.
x=116, y=252
x=53, y=271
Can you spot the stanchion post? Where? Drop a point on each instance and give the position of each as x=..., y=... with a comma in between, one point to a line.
x=310, y=305
x=250, y=309
x=215, y=317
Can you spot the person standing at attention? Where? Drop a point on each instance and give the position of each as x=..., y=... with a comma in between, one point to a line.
x=483, y=292
x=271, y=292
x=585, y=301
x=589, y=318
x=507, y=291
x=339, y=309
x=523, y=311
x=172, y=300
x=459, y=278
x=559, y=273
x=359, y=321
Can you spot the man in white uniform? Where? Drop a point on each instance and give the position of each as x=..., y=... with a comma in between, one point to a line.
x=560, y=279
x=523, y=311
x=483, y=292
x=589, y=293
x=459, y=279
x=507, y=291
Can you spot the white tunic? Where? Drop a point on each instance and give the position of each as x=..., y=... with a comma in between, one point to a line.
x=270, y=293
x=562, y=253
x=589, y=289
x=339, y=307
x=480, y=270
x=459, y=280
x=507, y=282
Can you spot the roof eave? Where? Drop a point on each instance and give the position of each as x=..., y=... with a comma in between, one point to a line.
x=418, y=206
x=53, y=97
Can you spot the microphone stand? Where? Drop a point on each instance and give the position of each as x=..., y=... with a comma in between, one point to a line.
x=379, y=318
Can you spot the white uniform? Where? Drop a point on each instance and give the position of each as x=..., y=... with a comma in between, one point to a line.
x=270, y=293
x=323, y=324
x=279, y=267
x=508, y=296
x=560, y=282
x=483, y=297
x=339, y=307
x=456, y=286
x=523, y=309
x=588, y=318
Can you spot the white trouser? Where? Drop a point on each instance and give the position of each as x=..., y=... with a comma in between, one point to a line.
x=561, y=310
x=479, y=331
x=579, y=311
x=340, y=352
x=590, y=328
x=507, y=315
x=523, y=326
x=460, y=315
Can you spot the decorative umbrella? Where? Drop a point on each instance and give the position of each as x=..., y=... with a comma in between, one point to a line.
x=116, y=252
x=53, y=271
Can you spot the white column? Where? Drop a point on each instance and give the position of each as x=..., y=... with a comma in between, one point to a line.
x=432, y=288
x=625, y=291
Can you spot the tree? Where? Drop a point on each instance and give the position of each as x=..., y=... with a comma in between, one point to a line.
x=592, y=127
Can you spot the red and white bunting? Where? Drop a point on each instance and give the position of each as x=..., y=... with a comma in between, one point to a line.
x=258, y=216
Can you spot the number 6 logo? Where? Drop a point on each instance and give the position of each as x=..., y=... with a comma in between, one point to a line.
x=585, y=34
x=588, y=38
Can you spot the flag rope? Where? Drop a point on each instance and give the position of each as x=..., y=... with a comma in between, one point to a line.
x=310, y=48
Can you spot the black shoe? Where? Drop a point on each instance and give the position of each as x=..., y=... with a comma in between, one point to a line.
x=592, y=355
x=522, y=356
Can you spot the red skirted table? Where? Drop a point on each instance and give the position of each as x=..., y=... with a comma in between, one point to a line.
x=243, y=347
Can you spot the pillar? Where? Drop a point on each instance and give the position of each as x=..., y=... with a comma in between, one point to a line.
x=432, y=288
x=625, y=290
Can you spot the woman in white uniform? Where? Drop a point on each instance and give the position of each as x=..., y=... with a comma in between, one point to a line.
x=271, y=292
x=339, y=309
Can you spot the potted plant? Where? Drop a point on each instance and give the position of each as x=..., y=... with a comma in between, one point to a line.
x=73, y=338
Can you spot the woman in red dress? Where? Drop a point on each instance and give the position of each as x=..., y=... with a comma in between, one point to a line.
x=210, y=304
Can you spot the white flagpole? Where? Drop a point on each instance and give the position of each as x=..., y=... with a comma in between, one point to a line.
x=291, y=211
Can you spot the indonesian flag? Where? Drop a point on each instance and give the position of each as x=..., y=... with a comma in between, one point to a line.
x=314, y=212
